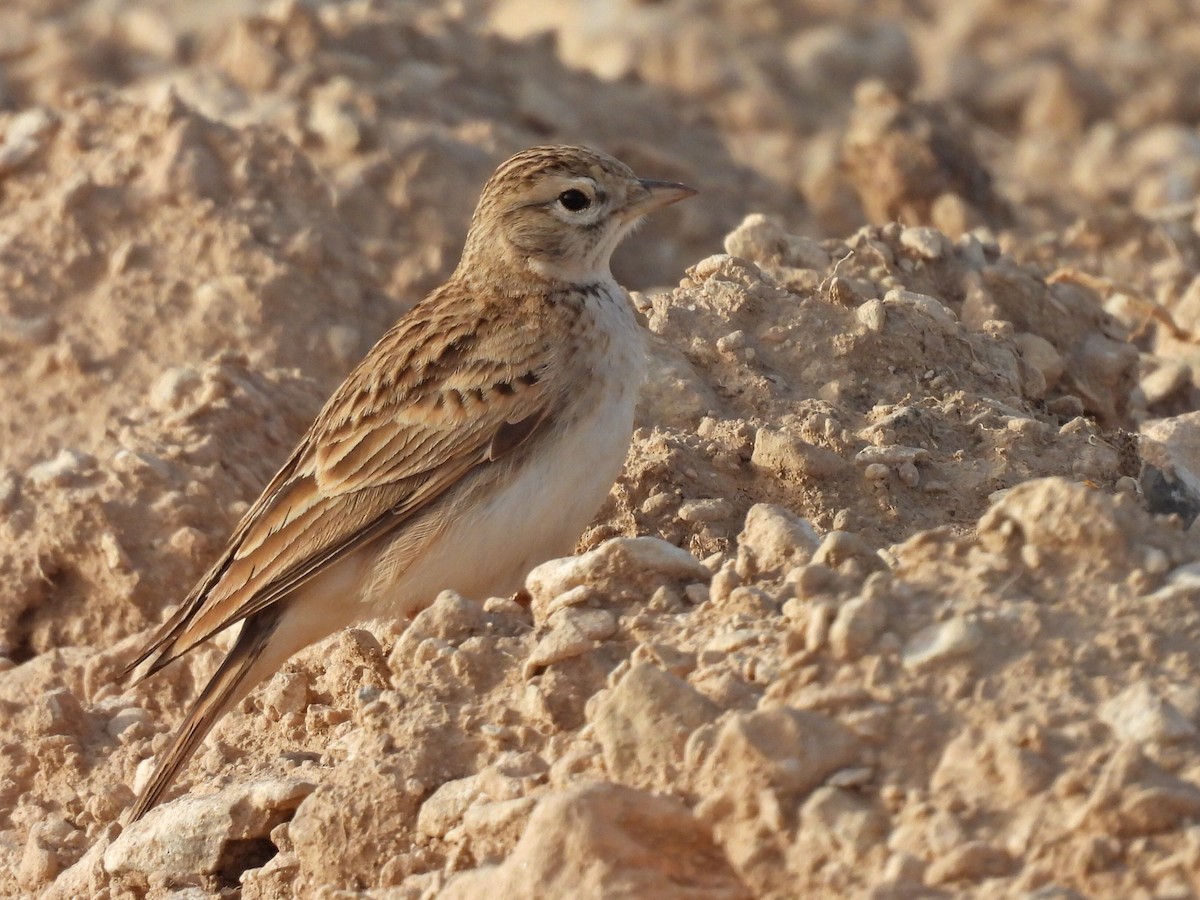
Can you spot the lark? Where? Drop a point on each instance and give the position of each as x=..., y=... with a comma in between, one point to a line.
x=477, y=439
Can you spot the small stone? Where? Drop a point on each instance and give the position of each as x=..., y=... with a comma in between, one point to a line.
x=644, y=722
x=930, y=306
x=872, y=315
x=941, y=642
x=928, y=243
x=608, y=824
x=24, y=136
x=731, y=342
x=876, y=472
x=779, y=451
x=633, y=566
x=173, y=388
x=781, y=751
x=891, y=455
x=840, y=547
x=67, y=466
x=774, y=540
x=859, y=621
x=972, y=861
x=574, y=632
x=444, y=808
x=705, y=511
x=189, y=836
x=1140, y=715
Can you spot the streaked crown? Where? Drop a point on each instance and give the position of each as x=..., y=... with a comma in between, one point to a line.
x=557, y=213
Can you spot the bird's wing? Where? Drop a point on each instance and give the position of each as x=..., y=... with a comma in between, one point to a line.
x=446, y=391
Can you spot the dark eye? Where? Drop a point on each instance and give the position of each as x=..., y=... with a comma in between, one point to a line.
x=574, y=200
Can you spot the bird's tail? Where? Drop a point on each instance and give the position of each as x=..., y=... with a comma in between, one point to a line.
x=238, y=673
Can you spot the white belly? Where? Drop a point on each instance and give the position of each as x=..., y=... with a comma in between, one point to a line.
x=541, y=512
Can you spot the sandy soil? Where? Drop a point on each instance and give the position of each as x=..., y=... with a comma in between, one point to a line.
x=896, y=597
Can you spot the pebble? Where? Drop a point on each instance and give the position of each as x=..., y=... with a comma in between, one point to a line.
x=731, y=342
x=173, y=387
x=24, y=137
x=715, y=509
x=574, y=632
x=858, y=623
x=931, y=306
x=928, y=243
x=1140, y=715
x=876, y=472
x=972, y=861
x=613, y=824
x=444, y=808
x=636, y=565
x=891, y=455
x=779, y=451
x=872, y=315
x=839, y=547
x=64, y=468
x=941, y=642
x=644, y=721
x=189, y=836
x=774, y=540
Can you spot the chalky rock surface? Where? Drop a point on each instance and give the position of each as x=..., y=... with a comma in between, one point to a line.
x=898, y=593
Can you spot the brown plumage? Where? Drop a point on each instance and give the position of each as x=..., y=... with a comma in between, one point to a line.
x=476, y=439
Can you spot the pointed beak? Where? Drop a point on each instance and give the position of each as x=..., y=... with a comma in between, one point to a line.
x=658, y=194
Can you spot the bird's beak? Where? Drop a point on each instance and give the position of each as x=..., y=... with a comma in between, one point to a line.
x=658, y=194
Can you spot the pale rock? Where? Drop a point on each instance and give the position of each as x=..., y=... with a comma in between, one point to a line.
x=872, y=315
x=972, y=861
x=710, y=510
x=66, y=466
x=620, y=568
x=573, y=632
x=778, y=451
x=930, y=306
x=774, y=540
x=1042, y=356
x=843, y=821
x=891, y=455
x=191, y=835
x=1133, y=796
x=840, y=547
x=859, y=622
x=173, y=387
x=780, y=752
x=927, y=243
x=645, y=720
x=444, y=808
x=941, y=642
x=493, y=827
x=1140, y=715
x=1170, y=476
x=24, y=137
x=594, y=841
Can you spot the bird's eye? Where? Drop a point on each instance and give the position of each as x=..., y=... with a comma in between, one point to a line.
x=574, y=200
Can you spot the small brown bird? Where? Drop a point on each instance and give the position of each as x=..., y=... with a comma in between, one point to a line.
x=476, y=440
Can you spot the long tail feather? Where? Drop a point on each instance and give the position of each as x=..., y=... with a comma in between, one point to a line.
x=232, y=681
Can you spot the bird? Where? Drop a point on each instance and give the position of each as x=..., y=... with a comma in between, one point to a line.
x=475, y=440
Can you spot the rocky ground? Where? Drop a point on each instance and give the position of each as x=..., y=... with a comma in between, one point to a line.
x=896, y=597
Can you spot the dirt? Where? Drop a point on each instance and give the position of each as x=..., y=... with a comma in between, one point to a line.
x=896, y=596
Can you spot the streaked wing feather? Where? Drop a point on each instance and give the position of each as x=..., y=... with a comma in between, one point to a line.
x=407, y=425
